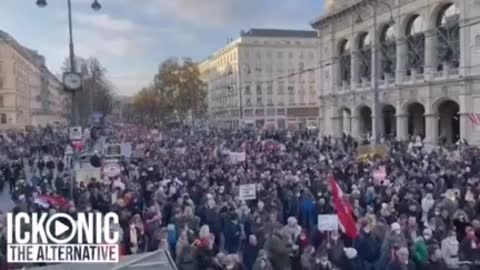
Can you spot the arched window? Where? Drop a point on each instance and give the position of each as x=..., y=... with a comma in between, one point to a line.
x=416, y=45
x=448, y=37
x=388, y=50
x=365, y=53
x=345, y=61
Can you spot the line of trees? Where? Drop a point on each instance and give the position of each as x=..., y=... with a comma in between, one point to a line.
x=176, y=94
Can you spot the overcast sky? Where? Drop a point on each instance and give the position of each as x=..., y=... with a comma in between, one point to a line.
x=131, y=37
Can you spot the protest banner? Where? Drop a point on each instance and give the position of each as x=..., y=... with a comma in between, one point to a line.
x=248, y=192
x=327, y=223
x=181, y=150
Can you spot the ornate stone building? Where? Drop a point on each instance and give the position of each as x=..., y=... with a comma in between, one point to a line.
x=428, y=68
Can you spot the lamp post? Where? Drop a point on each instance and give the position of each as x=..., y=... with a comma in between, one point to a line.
x=378, y=118
x=72, y=80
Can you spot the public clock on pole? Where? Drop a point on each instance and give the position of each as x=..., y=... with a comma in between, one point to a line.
x=72, y=81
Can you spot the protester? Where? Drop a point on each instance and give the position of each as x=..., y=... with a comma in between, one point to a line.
x=180, y=191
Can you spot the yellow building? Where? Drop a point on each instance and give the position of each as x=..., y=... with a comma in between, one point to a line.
x=29, y=94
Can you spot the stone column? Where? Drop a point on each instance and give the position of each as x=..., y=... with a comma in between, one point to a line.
x=430, y=53
x=355, y=69
x=431, y=128
x=401, y=59
x=465, y=122
x=402, y=127
x=355, y=120
x=337, y=127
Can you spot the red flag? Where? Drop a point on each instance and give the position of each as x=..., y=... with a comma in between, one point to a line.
x=344, y=210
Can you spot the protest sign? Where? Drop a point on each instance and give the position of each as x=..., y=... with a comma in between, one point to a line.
x=248, y=192
x=75, y=133
x=112, y=169
x=327, y=223
x=85, y=175
x=236, y=157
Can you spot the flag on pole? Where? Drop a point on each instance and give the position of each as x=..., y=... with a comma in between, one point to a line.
x=475, y=118
x=344, y=210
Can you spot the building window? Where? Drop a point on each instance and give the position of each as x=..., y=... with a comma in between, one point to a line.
x=247, y=90
x=365, y=53
x=248, y=102
x=416, y=45
x=259, y=90
x=448, y=37
x=259, y=101
x=291, y=91
x=270, y=101
x=345, y=61
x=281, y=90
x=388, y=49
x=291, y=100
x=2, y=102
x=3, y=118
x=269, y=89
x=280, y=54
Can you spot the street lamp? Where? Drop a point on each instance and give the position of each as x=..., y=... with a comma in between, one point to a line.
x=72, y=75
x=377, y=106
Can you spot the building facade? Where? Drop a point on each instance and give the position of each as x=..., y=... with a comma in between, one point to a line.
x=427, y=68
x=29, y=94
x=266, y=78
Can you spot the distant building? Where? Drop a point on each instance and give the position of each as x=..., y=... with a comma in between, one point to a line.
x=265, y=78
x=30, y=95
x=121, y=109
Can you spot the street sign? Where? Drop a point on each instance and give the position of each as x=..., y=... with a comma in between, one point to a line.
x=112, y=170
x=76, y=133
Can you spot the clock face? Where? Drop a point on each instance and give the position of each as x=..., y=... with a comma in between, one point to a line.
x=72, y=81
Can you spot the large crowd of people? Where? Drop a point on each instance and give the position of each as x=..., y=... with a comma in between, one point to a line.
x=179, y=191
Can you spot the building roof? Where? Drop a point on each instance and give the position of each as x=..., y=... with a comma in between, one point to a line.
x=281, y=33
x=30, y=55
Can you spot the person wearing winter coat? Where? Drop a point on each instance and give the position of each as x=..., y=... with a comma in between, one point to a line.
x=250, y=252
x=401, y=261
x=450, y=248
x=367, y=246
x=321, y=261
x=262, y=262
x=232, y=233
x=306, y=259
x=392, y=243
x=435, y=260
x=335, y=248
x=419, y=252
x=351, y=261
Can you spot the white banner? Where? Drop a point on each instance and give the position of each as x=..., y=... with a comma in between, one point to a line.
x=236, y=157
x=327, y=223
x=248, y=192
